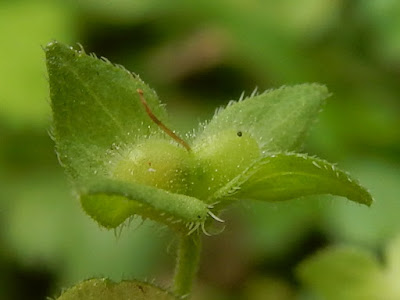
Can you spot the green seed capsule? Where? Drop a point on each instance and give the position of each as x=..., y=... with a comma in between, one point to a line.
x=222, y=157
x=157, y=163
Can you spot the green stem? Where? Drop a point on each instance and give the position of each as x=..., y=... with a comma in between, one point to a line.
x=187, y=264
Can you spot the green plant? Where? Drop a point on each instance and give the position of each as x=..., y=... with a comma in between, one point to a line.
x=112, y=136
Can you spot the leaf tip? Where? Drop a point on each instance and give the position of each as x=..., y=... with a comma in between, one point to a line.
x=54, y=46
x=368, y=199
x=56, y=50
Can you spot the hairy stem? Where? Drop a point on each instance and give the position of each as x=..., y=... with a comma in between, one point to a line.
x=186, y=265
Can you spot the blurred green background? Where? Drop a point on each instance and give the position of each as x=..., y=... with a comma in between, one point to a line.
x=198, y=55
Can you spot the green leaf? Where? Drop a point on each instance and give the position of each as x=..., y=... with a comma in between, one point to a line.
x=277, y=119
x=104, y=289
x=343, y=273
x=96, y=109
x=287, y=176
x=110, y=202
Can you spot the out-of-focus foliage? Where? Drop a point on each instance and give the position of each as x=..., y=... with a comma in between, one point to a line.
x=24, y=27
x=369, y=227
x=382, y=17
x=346, y=273
x=196, y=54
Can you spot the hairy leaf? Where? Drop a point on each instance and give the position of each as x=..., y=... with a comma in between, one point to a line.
x=287, y=176
x=96, y=108
x=110, y=202
x=277, y=119
x=104, y=289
